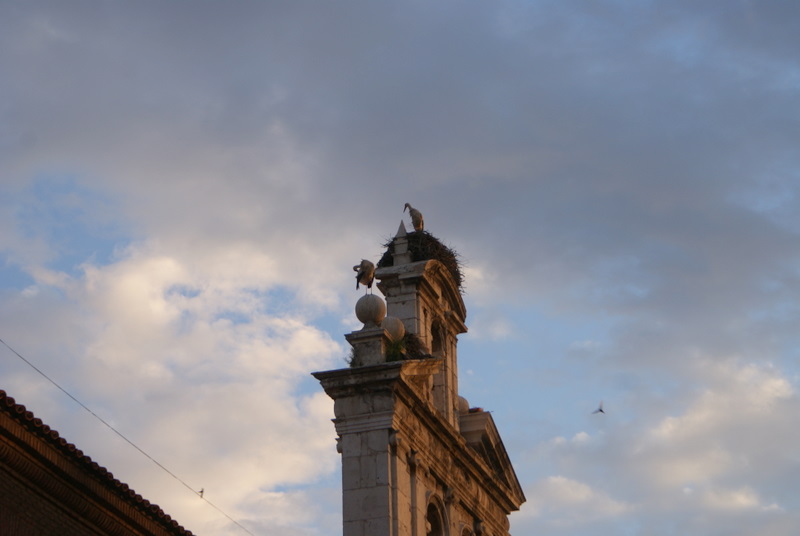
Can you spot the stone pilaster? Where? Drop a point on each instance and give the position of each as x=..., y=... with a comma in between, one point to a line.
x=423, y=295
x=402, y=462
x=376, y=490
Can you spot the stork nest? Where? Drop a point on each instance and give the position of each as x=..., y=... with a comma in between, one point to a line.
x=424, y=246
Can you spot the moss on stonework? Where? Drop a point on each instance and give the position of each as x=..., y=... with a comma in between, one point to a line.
x=413, y=347
x=423, y=246
x=409, y=347
x=395, y=351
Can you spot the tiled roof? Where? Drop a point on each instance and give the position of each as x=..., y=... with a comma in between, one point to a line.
x=35, y=425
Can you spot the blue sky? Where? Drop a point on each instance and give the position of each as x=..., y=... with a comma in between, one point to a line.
x=184, y=188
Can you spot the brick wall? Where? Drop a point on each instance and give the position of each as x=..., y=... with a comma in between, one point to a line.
x=50, y=487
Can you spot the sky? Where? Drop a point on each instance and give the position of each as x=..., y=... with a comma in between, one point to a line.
x=185, y=187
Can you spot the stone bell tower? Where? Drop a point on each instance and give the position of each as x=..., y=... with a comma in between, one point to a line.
x=416, y=460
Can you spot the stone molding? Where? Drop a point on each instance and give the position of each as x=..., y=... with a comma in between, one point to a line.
x=388, y=399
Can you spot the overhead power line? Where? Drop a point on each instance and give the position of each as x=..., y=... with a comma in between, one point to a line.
x=121, y=435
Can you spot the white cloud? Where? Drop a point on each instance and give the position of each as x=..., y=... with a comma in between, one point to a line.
x=731, y=499
x=581, y=437
x=179, y=215
x=188, y=362
x=564, y=501
x=729, y=450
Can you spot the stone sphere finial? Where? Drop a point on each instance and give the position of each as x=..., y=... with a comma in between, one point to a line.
x=370, y=310
x=394, y=327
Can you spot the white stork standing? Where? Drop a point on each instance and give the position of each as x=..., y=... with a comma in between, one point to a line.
x=365, y=273
x=416, y=217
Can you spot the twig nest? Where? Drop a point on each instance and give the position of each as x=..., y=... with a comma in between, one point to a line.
x=394, y=327
x=370, y=310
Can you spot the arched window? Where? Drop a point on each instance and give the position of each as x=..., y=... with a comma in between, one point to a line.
x=437, y=342
x=436, y=525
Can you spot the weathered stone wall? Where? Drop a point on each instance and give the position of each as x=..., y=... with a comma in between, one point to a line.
x=424, y=296
x=399, y=457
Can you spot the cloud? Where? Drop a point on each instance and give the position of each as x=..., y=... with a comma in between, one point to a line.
x=195, y=364
x=734, y=499
x=733, y=430
x=728, y=450
x=563, y=501
x=183, y=193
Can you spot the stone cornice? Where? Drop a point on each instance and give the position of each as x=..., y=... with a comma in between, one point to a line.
x=399, y=383
x=464, y=457
x=421, y=272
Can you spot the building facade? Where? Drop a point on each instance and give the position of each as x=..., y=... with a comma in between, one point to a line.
x=416, y=459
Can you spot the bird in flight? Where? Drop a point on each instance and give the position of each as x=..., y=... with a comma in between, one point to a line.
x=599, y=408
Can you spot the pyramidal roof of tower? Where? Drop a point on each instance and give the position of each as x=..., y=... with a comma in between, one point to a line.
x=424, y=246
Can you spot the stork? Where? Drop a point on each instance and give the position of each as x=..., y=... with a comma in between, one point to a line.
x=416, y=217
x=365, y=273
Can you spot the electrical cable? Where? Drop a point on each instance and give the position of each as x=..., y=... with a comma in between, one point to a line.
x=131, y=443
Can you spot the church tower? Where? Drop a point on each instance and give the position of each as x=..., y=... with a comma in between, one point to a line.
x=416, y=459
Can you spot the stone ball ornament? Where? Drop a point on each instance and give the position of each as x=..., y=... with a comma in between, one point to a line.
x=394, y=327
x=370, y=310
x=463, y=405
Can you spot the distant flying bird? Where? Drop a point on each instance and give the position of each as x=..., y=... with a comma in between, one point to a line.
x=599, y=409
x=365, y=273
x=416, y=217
